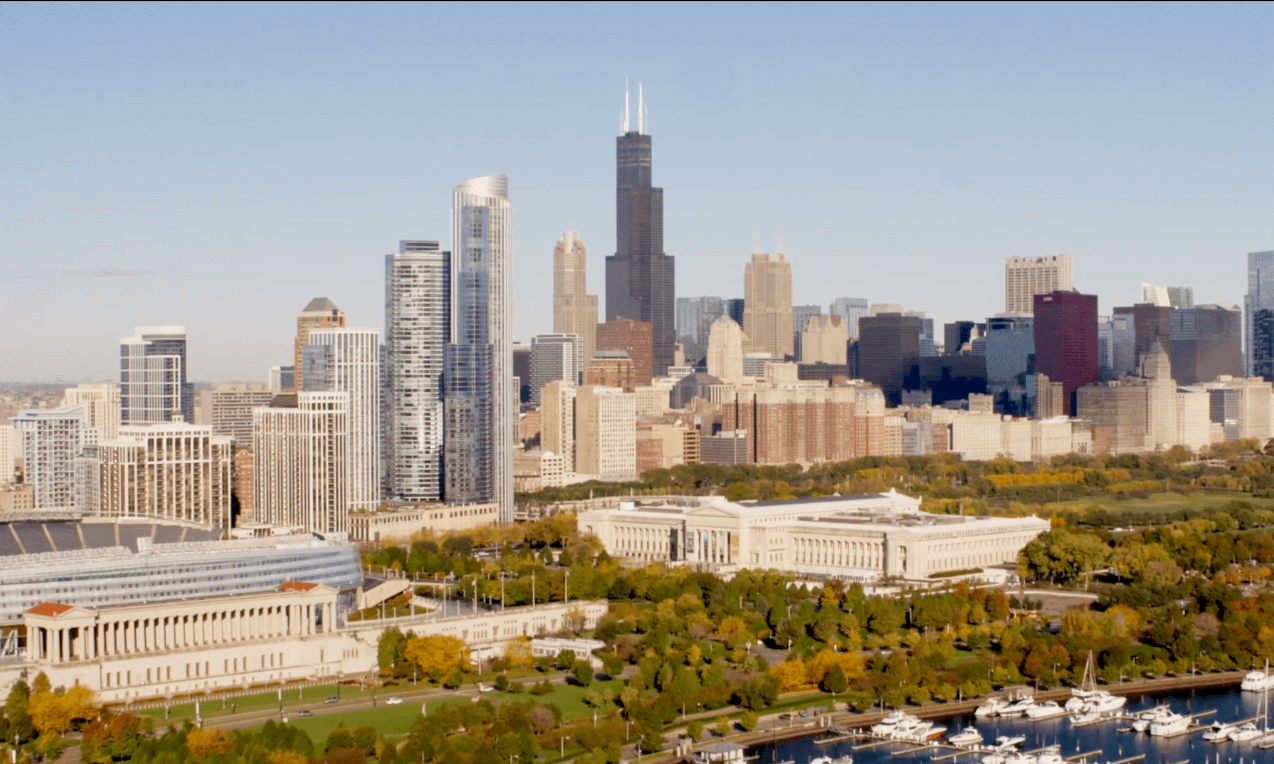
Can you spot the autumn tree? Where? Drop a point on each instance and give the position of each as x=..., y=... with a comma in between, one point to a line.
x=437, y=656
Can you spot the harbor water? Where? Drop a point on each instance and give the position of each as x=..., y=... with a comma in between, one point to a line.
x=1228, y=704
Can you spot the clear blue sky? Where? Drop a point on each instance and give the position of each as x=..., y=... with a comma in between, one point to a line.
x=227, y=163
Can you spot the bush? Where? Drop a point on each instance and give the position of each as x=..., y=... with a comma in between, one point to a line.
x=542, y=687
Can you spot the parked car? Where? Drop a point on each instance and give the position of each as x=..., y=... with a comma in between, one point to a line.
x=305, y=712
x=393, y=701
x=331, y=699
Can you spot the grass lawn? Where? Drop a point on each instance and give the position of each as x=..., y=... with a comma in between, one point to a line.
x=568, y=697
x=293, y=700
x=390, y=721
x=1159, y=503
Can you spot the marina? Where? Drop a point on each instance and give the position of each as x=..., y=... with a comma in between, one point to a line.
x=1174, y=730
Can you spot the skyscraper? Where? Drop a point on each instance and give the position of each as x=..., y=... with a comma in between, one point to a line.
x=888, y=346
x=725, y=350
x=478, y=396
x=555, y=357
x=1066, y=342
x=574, y=311
x=1025, y=277
x=152, y=376
x=49, y=441
x=640, y=278
x=800, y=315
x=634, y=338
x=101, y=406
x=851, y=309
x=767, y=304
x=1206, y=343
x=348, y=361
x=321, y=313
x=301, y=463
x=417, y=330
x=1260, y=296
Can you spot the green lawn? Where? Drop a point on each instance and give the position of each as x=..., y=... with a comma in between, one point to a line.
x=293, y=700
x=568, y=697
x=1159, y=503
x=390, y=721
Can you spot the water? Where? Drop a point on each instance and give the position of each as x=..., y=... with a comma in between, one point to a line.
x=1230, y=704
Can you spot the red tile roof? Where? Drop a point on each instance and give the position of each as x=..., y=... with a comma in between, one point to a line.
x=49, y=608
x=297, y=586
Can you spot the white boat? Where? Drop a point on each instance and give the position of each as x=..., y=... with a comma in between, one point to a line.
x=822, y=760
x=1258, y=681
x=1170, y=726
x=991, y=707
x=1050, y=755
x=843, y=760
x=1007, y=743
x=1103, y=702
x=994, y=758
x=885, y=727
x=1020, y=758
x=1219, y=732
x=966, y=736
x=1267, y=741
x=1046, y=710
x=1018, y=708
x=1144, y=719
x=911, y=729
x=936, y=731
x=1087, y=716
x=1075, y=704
x=1244, y=733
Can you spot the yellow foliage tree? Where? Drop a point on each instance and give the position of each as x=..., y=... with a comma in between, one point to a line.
x=438, y=655
x=288, y=757
x=850, y=663
x=49, y=714
x=791, y=675
x=203, y=743
x=517, y=652
x=733, y=631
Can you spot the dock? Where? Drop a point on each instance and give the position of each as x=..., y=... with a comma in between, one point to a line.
x=1129, y=759
x=837, y=739
x=1084, y=755
x=872, y=744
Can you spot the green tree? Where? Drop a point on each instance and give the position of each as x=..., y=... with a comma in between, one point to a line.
x=583, y=671
x=695, y=729
x=835, y=681
x=748, y=721
x=17, y=711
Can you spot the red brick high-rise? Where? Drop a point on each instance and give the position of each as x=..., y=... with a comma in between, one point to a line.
x=1066, y=341
x=633, y=337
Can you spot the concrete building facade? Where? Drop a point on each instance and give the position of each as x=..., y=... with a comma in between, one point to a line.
x=606, y=432
x=301, y=468
x=320, y=313
x=348, y=361
x=1026, y=277
x=50, y=441
x=767, y=305
x=574, y=310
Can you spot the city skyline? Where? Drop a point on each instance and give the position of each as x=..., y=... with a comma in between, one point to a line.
x=1149, y=170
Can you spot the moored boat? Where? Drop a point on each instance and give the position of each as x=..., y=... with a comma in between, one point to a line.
x=966, y=736
x=1170, y=725
x=1046, y=710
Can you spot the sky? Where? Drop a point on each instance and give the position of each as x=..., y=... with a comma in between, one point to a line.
x=218, y=166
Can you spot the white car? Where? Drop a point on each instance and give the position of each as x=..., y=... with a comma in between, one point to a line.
x=485, y=688
x=393, y=701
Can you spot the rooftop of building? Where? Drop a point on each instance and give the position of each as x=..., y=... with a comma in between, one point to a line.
x=321, y=305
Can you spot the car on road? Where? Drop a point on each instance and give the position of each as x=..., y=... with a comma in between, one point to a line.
x=305, y=712
x=394, y=701
x=331, y=699
x=485, y=688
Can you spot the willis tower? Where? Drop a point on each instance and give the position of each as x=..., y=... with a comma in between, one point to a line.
x=639, y=276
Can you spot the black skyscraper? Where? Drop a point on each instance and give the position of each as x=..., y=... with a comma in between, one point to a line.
x=639, y=276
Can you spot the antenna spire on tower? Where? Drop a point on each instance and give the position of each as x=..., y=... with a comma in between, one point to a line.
x=624, y=126
x=640, y=110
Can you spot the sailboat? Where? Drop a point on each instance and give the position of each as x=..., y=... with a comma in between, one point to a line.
x=1267, y=739
x=1258, y=681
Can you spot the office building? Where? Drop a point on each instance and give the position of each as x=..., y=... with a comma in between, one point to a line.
x=152, y=376
x=851, y=309
x=1260, y=296
x=557, y=421
x=1066, y=342
x=417, y=330
x=640, y=278
x=1261, y=343
x=1181, y=298
x=175, y=471
x=1150, y=323
x=8, y=453
x=101, y=406
x=227, y=407
x=734, y=308
x=800, y=315
x=606, y=433
x=480, y=412
x=320, y=313
x=726, y=343
x=521, y=373
x=634, y=338
x=888, y=346
x=1161, y=399
x=1206, y=343
x=928, y=346
x=348, y=361
x=725, y=447
x=767, y=306
x=695, y=316
x=806, y=423
x=611, y=368
x=1120, y=409
x=555, y=357
x=50, y=441
x=824, y=339
x=301, y=463
x=955, y=336
x=1027, y=277
x=574, y=310
x=1009, y=349
x=1123, y=345
x=282, y=378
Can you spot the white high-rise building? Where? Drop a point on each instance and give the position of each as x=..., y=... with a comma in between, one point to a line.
x=51, y=440
x=174, y=471
x=557, y=421
x=152, y=376
x=1025, y=277
x=479, y=400
x=726, y=343
x=555, y=356
x=606, y=430
x=348, y=361
x=227, y=407
x=417, y=329
x=101, y=405
x=301, y=464
x=8, y=459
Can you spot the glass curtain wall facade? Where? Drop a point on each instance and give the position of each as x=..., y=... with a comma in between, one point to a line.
x=1260, y=296
x=480, y=402
x=152, y=376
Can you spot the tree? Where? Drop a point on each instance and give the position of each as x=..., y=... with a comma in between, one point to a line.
x=792, y=674
x=389, y=650
x=613, y=665
x=748, y=721
x=652, y=738
x=565, y=660
x=695, y=729
x=437, y=656
x=575, y=617
x=835, y=681
x=52, y=713
x=583, y=671
x=517, y=652
x=17, y=712
x=723, y=727
x=203, y=743
x=111, y=740
x=734, y=632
